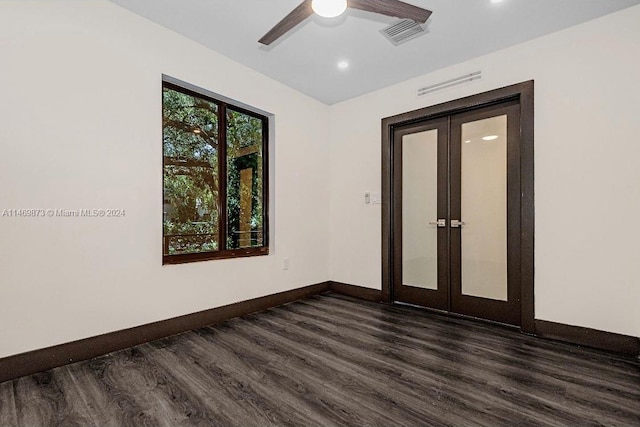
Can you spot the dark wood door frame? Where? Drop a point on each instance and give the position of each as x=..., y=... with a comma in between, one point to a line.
x=524, y=94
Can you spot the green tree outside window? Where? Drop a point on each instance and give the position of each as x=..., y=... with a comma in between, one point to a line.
x=214, y=178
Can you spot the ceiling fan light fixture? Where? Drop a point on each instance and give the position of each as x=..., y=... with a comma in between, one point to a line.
x=329, y=8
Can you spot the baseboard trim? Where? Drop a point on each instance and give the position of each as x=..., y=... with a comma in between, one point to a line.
x=20, y=365
x=356, y=291
x=601, y=340
x=32, y=362
x=593, y=338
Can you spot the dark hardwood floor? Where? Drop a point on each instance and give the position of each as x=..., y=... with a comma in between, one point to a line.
x=333, y=360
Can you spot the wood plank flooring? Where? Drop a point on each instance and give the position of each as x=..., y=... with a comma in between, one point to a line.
x=332, y=360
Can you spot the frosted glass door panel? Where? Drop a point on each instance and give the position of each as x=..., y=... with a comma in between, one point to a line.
x=484, y=208
x=419, y=208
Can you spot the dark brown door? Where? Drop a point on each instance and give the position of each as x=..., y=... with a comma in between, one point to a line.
x=421, y=267
x=457, y=213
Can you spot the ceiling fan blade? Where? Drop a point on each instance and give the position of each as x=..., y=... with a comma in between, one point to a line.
x=395, y=8
x=298, y=15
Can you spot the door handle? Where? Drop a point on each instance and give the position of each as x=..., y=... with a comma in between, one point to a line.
x=441, y=223
x=456, y=223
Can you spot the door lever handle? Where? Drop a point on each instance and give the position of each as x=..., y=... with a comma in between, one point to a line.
x=456, y=223
x=440, y=223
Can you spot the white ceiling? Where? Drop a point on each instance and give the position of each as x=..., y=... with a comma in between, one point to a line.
x=306, y=58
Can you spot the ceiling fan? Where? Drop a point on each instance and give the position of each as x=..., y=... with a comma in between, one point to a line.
x=333, y=8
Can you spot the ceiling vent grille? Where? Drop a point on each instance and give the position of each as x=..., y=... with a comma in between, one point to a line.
x=467, y=78
x=403, y=31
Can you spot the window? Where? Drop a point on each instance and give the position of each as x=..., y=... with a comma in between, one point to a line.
x=214, y=178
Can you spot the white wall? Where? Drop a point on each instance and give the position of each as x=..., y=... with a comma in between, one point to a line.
x=80, y=127
x=587, y=174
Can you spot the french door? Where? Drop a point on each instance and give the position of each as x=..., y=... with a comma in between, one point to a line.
x=456, y=213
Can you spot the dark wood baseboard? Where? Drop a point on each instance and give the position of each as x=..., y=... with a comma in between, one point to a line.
x=52, y=357
x=360, y=292
x=608, y=341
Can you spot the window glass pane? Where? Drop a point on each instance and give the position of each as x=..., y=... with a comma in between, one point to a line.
x=244, y=181
x=191, y=197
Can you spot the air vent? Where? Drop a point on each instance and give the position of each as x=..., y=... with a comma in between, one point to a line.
x=467, y=78
x=402, y=31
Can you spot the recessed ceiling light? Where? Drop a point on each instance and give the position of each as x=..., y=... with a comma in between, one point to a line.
x=490, y=138
x=467, y=141
x=496, y=1
x=343, y=65
x=329, y=8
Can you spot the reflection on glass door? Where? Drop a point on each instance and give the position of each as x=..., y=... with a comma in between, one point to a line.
x=420, y=209
x=484, y=208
